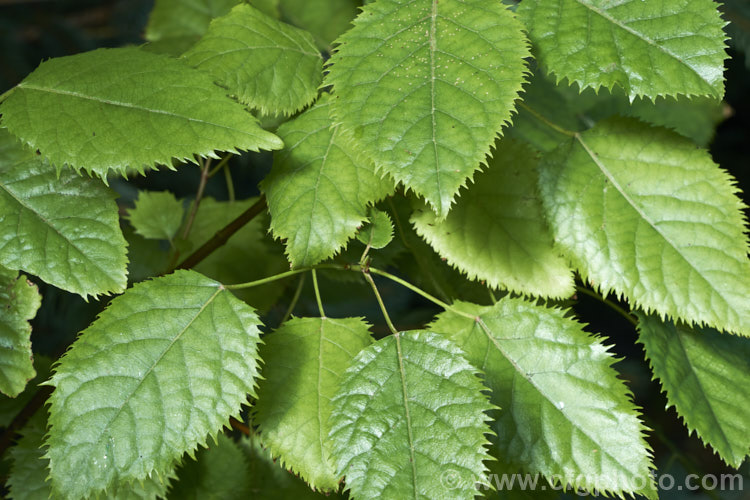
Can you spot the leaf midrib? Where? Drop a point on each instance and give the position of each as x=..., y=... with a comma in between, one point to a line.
x=646, y=39
x=603, y=168
x=698, y=380
x=530, y=380
x=402, y=373
x=132, y=106
x=158, y=359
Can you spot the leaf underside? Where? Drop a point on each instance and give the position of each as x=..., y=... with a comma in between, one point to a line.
x=19, y=301
x=648, y=48
x=426, y=86
x=563, y=411
x=642, y=211
x=409, y=413
x=110, y=109
x=161, y=369
x=63, y=229
x=304, y=361
x=319, y=187
x=706, y=376
x=267, y=64
x=496, y=231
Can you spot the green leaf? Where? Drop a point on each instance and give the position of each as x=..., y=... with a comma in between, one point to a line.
x=267, y=64
x=28, y=474
x=229, y=263
x=641, y=211
x=304, y=361
x=110, y=109
x=325, y=19
x=269, y=481
x=164, y=366
x=409, y=414
x=648, y=48
x=706, y=376
x=156, y=215
x=319, y=187
x=64, y=229
x=496, y=231
x=219, y=471
x=563, y=411
x=180, y=18
x=426, y=86
x=11, y=407
x=19, y=301
x=378, y=232
x=29, y=471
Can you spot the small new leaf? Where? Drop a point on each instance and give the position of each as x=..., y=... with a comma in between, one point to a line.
x=319, y=187
x=111, y=109
x=162, y=368
x=426, y=86
x=496, y=231
x=19, y=301
x=378, y=232
x=64, y=229
x=648, y=48
x=156, y=215
x=304, y=362
x=409, y=421
x=706, y=376
x=267, y=64
x=642, y=211
x=563, y=411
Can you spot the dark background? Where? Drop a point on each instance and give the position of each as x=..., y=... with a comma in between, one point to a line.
x=34, y=30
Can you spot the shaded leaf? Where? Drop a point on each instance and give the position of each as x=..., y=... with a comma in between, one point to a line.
x=219, y=471
x=269, y=481
x=426, y=86
x=706, y=376
x=496, y=231
x=19, y=301
x=63, y=229
x=28, y=473
x=648, y=48
x=161, y=369
x=325, y=19
x=304, y=362
x=563, y=411
x=110, y=109
x=246, y=256
x=410, y=414
x=642, y=211
x=267, y=64
x=156, y=215
x=319, y=187
x=181, y=18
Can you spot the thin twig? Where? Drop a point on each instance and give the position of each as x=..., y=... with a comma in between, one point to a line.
x=391, y=327
x=622, y=312
x=295, y=299
x=223, y=234
x=317, y=293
